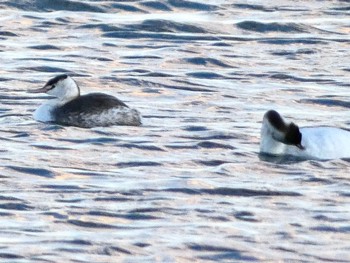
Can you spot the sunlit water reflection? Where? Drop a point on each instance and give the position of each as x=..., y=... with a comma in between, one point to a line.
x=189, y=184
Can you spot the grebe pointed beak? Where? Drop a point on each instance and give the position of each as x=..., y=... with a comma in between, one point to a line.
x=300, y=146
x=44, y=89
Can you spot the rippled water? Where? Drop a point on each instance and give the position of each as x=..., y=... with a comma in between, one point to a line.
x=188, y=185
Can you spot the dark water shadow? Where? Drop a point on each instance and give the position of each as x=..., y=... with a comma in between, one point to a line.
x=327, y=102
x=220, y=253
x=227, y=191
x=281, y=159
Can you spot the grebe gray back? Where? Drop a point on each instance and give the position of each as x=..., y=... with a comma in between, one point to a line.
x=91, y=110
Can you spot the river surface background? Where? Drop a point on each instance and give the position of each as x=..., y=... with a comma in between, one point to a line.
x=188, y=185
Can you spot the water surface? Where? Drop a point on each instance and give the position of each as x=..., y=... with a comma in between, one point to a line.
x=188, y=185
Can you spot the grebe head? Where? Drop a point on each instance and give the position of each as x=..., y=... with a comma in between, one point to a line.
x=280, y=131
x=62, y=87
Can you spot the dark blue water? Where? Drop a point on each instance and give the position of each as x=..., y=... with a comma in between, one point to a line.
x=188, y=185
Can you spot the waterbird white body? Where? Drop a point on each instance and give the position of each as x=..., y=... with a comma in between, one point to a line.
x=91, y=110
x=281, y=138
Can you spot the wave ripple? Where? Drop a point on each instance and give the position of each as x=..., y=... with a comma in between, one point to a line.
x=189, y=184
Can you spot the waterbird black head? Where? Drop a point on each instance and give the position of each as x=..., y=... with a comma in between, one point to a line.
x=294, y=136
x=51, y=84
x=56, y=79
x=285, y=133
